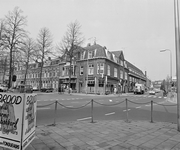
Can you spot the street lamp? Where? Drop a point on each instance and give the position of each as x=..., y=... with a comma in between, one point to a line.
x=170, y=63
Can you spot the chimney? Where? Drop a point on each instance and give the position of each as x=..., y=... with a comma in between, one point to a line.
x=88, y=44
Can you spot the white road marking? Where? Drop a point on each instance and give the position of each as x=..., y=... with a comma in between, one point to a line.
x=43, y=108
x=69, y=106
x=74, y=102
x=128, y=110
x=138, y=107
x=83, y=119
x=110, y=114
x=110, y=100
x=62, y=99
x=159, y=97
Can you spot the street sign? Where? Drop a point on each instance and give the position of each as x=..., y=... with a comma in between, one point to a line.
x=17, y=120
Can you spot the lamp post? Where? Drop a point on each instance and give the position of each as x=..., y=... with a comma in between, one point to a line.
x=170, y=64
x=87, y=73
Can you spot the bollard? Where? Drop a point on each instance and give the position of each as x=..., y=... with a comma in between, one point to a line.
x=92, y=121
x=127, y=120
x=55, y=111
x=151, y=111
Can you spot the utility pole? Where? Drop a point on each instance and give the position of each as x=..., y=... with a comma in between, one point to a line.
x=176, y=23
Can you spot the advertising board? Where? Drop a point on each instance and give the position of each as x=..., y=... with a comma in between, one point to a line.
x=11, y=108
x=17, y=120
x=29, y=121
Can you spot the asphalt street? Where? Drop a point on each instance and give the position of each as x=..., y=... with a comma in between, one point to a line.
x=77, y=107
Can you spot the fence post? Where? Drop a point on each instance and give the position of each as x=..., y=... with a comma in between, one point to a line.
x=151, y=111
x=55, y=111
x=92, y=121
x=127, y=120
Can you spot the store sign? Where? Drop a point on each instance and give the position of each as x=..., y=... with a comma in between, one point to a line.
x=15, y=129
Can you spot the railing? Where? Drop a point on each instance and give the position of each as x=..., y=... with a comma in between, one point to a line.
x=92, y=107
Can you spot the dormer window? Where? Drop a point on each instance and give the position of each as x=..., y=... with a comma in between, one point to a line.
x=82, y=55
x=90, y=54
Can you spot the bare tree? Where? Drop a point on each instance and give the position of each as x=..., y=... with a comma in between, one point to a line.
x=14, y=35
x=27, y=49
x=44, y=45
x=70, y=43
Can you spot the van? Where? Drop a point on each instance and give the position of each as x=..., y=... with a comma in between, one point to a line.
x=139, y=89
x=24, y=88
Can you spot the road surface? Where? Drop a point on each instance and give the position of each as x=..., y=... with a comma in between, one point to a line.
x=110, y=107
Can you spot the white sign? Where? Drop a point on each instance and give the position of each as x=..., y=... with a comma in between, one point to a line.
x=16, y=119
x=29, y=122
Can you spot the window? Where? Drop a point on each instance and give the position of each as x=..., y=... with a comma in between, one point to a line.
x=108, y=71
x=89, y=54
x=121, y=62
x=82, y=55
x=126, y=76
x=121, y=74
x=91, y=69
x=100, y=68
x=115, y=72
x=81, y=70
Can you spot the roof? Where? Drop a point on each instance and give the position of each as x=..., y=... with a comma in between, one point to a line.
x=132, y=66
x=99, y=51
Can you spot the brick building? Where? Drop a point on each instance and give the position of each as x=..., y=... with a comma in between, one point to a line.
x=95, y=69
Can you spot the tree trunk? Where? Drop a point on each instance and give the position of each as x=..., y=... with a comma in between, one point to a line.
x=70, y=74
x=40, y=76
x=26, y=73
x=10, y=69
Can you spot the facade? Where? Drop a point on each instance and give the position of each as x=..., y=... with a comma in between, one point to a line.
x=99, y=71
x=94, y=69
x=50, y=74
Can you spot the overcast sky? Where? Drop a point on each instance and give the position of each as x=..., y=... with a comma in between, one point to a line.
x=141, y=28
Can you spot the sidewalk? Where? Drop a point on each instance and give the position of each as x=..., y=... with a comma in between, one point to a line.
x=107, y=135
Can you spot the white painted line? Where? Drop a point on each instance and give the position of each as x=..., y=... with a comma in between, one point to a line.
x=148, y=105
x=159, y=97
x=154, y=96
x=128, y=110
x=62, y=99
x=43, y=108
x=74, y=102
x=110, y=114
x=83, y=119
x=165, y=97
x=138, y=107
x=150, y=96
x=110, y=100
x=69, y=106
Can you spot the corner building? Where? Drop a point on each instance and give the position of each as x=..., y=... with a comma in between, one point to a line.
x=102, y=71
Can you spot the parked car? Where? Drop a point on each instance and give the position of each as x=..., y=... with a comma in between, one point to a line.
x=47, y=90
x=35, y=89
x=152, y=92
x=24, y=88
x=3, y=87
